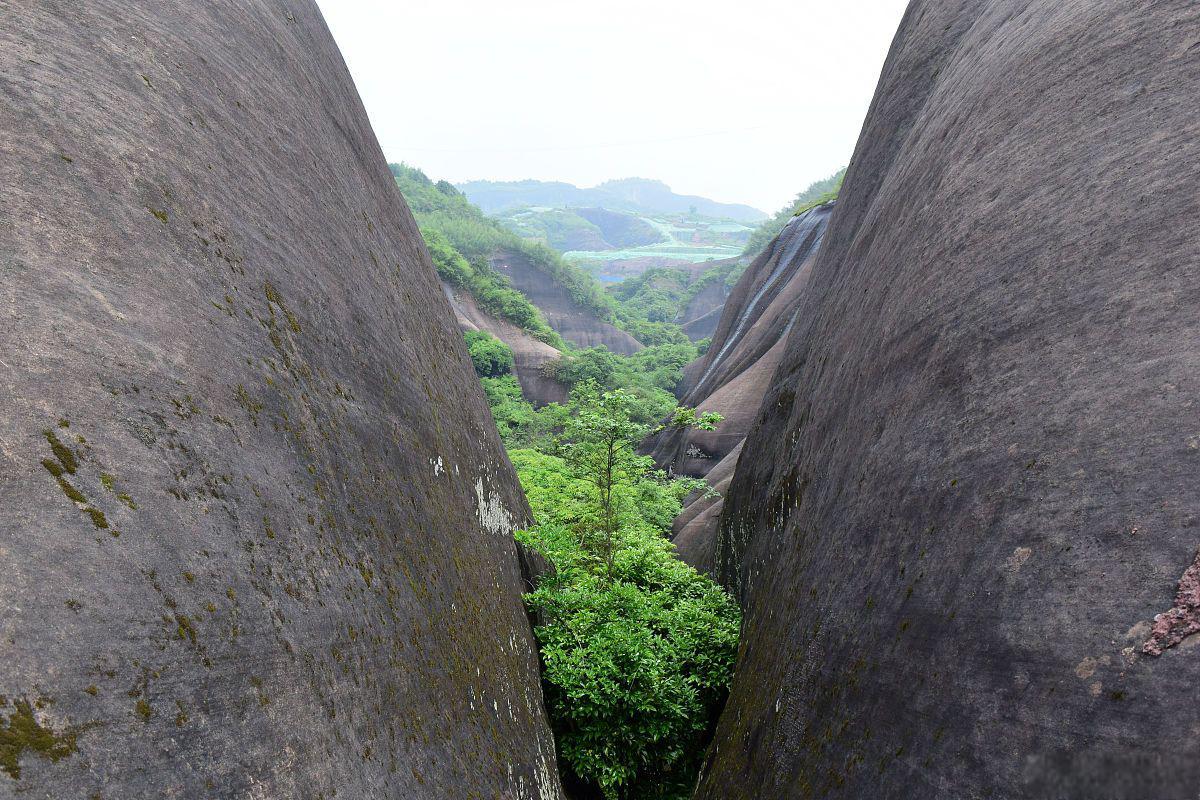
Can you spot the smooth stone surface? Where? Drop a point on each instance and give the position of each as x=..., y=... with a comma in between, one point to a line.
x=971, y=487
x=254, y=538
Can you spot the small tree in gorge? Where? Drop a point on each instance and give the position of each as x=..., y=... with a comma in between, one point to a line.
x=601, y=439
x=638, y=647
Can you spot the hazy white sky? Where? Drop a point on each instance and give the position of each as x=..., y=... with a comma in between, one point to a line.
x=739, y=101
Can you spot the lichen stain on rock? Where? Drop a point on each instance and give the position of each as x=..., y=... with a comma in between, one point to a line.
x=1018, y=559
x=1173, y=626
x=23, y=732
x=493, y=515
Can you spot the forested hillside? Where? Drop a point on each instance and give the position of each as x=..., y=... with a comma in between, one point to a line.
x=465, y=245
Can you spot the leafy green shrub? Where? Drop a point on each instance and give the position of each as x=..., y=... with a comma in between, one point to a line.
x=448, y=262
x=490, y=356
x=512, y=412
x=598, y=365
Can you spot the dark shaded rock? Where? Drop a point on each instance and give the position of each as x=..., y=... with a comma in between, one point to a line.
x=573, y=321
x=970, y=489
x=734, y=374
x=694, y=531
x=530, y=355
x=255, y=532
x=703, y=312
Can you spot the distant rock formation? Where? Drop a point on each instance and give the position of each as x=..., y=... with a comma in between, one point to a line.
x=734, y=374
x=574, y=322
x=255, y=531
x=963, y=527
x=703, y=312
x=530, y=355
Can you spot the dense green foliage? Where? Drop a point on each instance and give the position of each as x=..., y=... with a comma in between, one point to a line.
x=638, y=648
x=490, y=356
x=444, y=215
x=515, y=417
x=817, y=193
x=649, y=376
x=656, y=294
x=491, y=291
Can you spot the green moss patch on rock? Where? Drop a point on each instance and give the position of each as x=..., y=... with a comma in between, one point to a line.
x=24, y=733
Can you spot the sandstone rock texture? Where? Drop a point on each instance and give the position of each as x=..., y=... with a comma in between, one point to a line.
x=530, y=355
x=734, y=374
x=255, y=530
x=574, y=322
x=970, y=490
x=703, y=312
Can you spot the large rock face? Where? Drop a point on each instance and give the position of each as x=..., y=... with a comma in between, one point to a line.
x=734, y=374
x=255, y=531
x=703, y=313
x=971, y=490
x=530, y=355
x=574, y=322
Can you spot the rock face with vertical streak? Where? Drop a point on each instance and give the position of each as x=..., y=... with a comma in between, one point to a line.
x=964, y=525
x=734, y=374
x=255, y=530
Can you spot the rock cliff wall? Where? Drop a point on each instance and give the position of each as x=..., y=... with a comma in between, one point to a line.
x=255, y=531
x=734, y=374
x=963, y=527
x=574, y=322
x=530, y=355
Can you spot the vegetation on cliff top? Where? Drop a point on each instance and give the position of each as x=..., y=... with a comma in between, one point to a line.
x=662, y=294
x=815, y=194
x=476, y=237
x=462, y=241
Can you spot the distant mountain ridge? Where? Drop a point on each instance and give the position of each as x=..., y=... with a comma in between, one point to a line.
x=626, y=194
